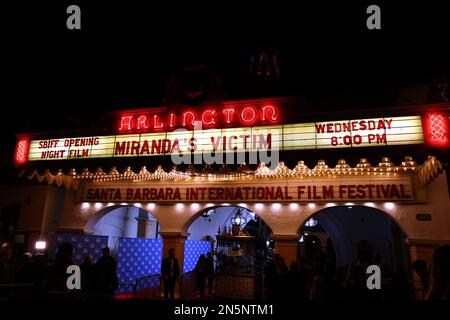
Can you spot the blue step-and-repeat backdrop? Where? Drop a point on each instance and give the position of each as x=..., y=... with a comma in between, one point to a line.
x=136, y=257
x=192, y=251
x=83, y=245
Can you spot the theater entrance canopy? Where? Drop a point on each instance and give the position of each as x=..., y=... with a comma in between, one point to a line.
x=363, y=183
x=283, y=196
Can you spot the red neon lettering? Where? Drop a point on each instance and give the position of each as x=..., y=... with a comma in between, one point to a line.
x=248, y=114
x=266, y=110
x=171, y=120
x=185, y=116
x=157, y=123
x=125, y=123
x=209, y=117
x=142, y=122
x=228, y=112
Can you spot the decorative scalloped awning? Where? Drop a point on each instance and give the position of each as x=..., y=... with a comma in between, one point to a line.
x=426, y=172
x=429, y=170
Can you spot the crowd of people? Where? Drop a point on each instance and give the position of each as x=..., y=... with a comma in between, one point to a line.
x=202, y=277
x=320, y=279
x=305, y=279
x=47, y=275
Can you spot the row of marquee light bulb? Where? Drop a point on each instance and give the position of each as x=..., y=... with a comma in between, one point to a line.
x=385, y=167
x=181, y=207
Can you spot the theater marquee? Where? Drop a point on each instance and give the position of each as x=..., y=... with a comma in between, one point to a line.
x=342, y=189
x=314, y=135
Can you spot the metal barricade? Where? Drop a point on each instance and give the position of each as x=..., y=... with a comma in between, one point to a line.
x=125, y=291
x=149, y=287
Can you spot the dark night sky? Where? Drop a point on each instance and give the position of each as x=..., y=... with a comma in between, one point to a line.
x=125, y=51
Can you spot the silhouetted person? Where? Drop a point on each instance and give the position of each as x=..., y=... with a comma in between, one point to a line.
x=88, y=275
x=297, y=288
x=276, y=278
x=398, y=287
x=354, y=282
x=210, y=271
x=440, y=274
x=318, y=290
x=201, y=274
x=170, y=271
x=106, y=274
x=420, y=268
x=57, y=276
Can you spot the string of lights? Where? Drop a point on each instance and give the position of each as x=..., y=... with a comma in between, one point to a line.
x=301, y=170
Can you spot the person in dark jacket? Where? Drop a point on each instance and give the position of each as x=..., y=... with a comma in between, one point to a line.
x=88, y=275
x=201, y=274
x=57, y=272
x=419, y=266
x=105, y=268
x=170, y=271
x=276, y=278
x=210, y=271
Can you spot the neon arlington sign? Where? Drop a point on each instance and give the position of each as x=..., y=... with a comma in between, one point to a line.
x=243, y=128
x=208, y=118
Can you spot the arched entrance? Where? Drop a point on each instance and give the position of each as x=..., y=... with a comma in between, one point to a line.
x=122, y=221
x=355, y=231
x=132, y=234
x=212, y=220
x=338, y=243
x=239, y=243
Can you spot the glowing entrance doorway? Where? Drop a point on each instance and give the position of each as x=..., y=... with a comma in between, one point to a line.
x=240, y=242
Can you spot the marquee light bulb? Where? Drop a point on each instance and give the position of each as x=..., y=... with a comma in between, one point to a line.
x=389, y=205
x=293, y=206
